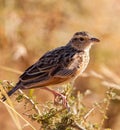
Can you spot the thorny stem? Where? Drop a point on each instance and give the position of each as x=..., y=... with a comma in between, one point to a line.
x=107, y=106
x=31, y=101
x=77, y=126
x=89, y=112
x=18, y=114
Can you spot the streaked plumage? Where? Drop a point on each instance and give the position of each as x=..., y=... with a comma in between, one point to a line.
x=58, y=65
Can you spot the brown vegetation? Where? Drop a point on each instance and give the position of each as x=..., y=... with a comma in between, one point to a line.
x=30, y=28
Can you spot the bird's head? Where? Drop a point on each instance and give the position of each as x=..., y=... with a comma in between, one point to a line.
x=82, y=41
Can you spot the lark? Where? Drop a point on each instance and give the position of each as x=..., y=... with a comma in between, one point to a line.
x=62, y=64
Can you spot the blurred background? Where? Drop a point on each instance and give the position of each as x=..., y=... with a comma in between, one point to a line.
x=29, y=28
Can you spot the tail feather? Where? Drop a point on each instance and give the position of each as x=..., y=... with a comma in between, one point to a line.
x=18, y=85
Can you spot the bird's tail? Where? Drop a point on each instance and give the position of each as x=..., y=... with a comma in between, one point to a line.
x=18, y=85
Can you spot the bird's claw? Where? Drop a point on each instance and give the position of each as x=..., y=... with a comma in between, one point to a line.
x=60, y=97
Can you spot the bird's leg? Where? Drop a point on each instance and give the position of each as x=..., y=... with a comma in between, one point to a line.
x=57, y=95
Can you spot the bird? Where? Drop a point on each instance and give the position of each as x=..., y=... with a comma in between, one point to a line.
x=59, y=65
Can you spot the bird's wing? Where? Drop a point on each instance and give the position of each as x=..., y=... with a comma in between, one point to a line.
x=65, y=73
x=48, y=69
x=40, y=69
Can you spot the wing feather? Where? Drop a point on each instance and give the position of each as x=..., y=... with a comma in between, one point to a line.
x=52, y=63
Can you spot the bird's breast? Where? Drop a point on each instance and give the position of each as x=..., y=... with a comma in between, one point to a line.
x=80, y=62
x=85, y=60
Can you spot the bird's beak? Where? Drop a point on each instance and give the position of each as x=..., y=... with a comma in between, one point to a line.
x=94, y=39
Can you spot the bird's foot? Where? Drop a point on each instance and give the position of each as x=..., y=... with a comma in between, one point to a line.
x=58, y=98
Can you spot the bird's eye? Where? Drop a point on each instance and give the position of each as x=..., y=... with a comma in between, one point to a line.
x=75, y=39
x=81, y=39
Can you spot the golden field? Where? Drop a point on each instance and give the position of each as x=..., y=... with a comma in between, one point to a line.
x=29, y=28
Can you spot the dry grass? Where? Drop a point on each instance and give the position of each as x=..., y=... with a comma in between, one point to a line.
x=30, y=28
x=52, y=117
